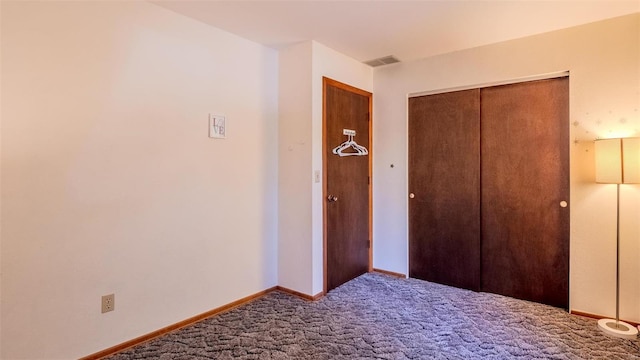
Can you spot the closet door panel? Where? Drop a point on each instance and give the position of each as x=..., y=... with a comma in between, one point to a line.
x=525, y=176
x=444, y=178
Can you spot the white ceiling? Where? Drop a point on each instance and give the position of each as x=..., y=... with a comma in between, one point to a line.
x=409, y=30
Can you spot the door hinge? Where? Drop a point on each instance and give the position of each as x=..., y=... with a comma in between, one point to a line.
x=368, y=244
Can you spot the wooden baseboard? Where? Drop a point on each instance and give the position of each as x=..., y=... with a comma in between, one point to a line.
x=192, y=320
x=299, y=294
x=391, y=273
x=598, y=317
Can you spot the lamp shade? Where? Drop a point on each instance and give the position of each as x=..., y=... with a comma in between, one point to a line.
x=618, y=161
x=609, y=161
x=631, y=161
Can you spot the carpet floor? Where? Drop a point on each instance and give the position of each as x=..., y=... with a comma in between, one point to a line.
x=380, y=317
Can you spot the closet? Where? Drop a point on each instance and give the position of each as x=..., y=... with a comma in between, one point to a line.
x=489, y=186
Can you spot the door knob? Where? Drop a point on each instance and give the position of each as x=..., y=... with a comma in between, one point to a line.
x=563, y=204
x=412, y=195
x=332, y=198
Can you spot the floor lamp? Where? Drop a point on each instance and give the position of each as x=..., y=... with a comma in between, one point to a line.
x=618, y=162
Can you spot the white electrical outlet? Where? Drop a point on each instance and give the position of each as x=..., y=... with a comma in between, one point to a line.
x=108, y=303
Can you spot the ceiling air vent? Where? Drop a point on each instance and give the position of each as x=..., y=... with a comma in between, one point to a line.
x=382, y=61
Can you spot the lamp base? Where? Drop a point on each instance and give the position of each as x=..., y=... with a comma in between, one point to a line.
x=618, y=328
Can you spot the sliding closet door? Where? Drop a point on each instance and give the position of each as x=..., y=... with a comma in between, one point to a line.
x=525, y=179
x=444, y=182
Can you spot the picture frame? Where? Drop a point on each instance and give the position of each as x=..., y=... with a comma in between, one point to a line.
x=217, y=126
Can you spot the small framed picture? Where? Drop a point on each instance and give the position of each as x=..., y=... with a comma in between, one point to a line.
x=217, y=126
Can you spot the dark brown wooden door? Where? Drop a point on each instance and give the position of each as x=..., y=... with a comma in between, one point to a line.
x=444, y=182
x=347, y=212
x=525, y=176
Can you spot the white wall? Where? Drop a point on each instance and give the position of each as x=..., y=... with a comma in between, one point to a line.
x=302, y=67
x=294, y=169
x=603, y=60
x=110, y=183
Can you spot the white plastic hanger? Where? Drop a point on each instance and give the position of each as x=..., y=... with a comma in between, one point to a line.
x=350, y=144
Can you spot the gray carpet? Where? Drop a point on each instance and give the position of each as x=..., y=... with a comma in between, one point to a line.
x=379, y=317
